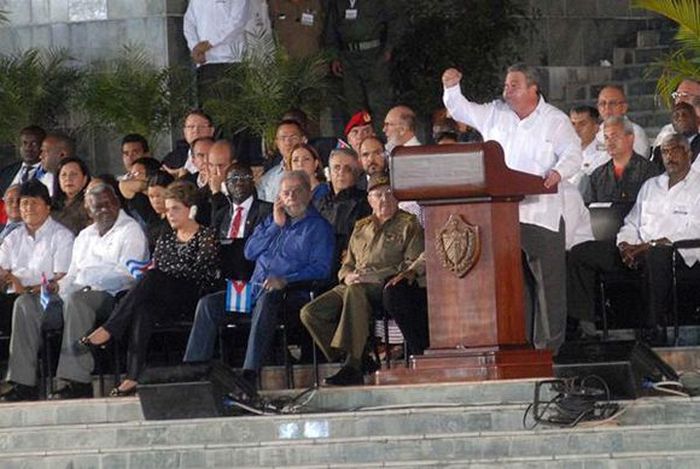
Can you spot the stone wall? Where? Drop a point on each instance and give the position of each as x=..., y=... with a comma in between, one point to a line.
x=96, y=29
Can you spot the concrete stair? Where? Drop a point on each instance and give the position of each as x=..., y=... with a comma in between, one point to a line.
x=441, y=425
x=630, y=68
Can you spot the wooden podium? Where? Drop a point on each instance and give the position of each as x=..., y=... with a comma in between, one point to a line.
x=474, y=265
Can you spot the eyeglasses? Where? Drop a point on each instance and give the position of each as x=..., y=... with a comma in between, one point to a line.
x=676, y=95
x=241, y=177
x=672, y=149
x=610, y=103
x=197, y=127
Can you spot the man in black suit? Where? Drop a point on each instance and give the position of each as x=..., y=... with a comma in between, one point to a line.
x=180, y=160
x=234, y=223
x=685, y=122
x=30, y=139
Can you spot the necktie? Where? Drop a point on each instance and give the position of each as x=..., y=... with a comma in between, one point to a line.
x=236, y=223
x=25, y=174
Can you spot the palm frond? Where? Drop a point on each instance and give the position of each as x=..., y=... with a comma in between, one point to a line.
x=254, y=94
x=35, y=88
x=129, y=94
x=686, y=13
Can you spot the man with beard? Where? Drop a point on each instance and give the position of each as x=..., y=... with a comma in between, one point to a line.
x=400, y=128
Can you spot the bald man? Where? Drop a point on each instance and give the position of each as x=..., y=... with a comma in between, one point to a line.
x=400, y=127
x=612, y=102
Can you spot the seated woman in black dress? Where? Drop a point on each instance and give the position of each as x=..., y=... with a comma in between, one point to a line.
x=68, y=205
x=157, y=187
x=186, y=267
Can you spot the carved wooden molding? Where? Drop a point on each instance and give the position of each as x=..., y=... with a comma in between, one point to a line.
x=458, y=245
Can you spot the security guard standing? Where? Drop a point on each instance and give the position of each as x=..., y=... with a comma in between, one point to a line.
x=381, y=246
x=298, y=25
x=361, y=35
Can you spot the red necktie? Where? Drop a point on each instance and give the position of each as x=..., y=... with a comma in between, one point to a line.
x=236, y=224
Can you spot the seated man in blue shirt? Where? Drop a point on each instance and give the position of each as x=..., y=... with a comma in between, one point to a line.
x=294, y=244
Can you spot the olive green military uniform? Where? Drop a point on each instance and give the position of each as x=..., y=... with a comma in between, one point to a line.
x=358, y=33
x=339, y=320
x=298, y=25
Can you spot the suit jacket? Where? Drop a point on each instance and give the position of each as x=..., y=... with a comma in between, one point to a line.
x=178, y=156
x=233, y=263
x=7, y=174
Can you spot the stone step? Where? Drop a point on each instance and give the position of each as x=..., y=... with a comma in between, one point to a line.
x=489, y=447
x=389, y=423
x=104, y=410
x=638, y=55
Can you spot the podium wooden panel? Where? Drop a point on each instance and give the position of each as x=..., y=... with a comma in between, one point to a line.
x=477, y=321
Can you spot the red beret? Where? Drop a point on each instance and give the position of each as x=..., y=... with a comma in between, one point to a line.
x=361, y=118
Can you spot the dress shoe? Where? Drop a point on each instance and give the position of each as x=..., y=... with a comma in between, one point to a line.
x=73, y=390
x=369, y=364
x=116, y=392
x=20, y=392
x=655, y=336
x=346, y=376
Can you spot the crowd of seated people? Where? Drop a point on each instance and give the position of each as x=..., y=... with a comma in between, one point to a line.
x=107, y=258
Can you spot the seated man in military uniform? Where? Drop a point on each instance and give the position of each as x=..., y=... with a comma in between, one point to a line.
x=381, y=246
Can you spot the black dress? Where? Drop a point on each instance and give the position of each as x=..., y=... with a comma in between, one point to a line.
x=184, y=271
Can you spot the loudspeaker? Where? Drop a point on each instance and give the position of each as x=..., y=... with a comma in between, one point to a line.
x=188, y=391
x=625, y=366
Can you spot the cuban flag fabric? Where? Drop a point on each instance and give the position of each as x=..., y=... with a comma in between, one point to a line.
x=342, y=144
x=239, y=297
x=44, y=295
x=138, y=268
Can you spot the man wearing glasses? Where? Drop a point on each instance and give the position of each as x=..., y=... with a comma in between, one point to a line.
x=612, y=102
x=667, y=210
x=687, y=91
x=180, y=161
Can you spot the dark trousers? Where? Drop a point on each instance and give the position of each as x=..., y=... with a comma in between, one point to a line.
x=157, y=296
x=266, y=315
x=545, y=285
x=207, y=76
x=408, y=305
x=588, y=260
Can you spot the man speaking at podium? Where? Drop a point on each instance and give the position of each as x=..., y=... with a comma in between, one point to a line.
x=538, y=139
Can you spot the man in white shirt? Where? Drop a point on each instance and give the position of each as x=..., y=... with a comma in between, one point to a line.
x=289, y=133
x=215, y=34
x=538, y=139
x=586, y=122
x=38, y=251
x=98, y=271
x=667, y=210
x=612, y=102
x=400, y=128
